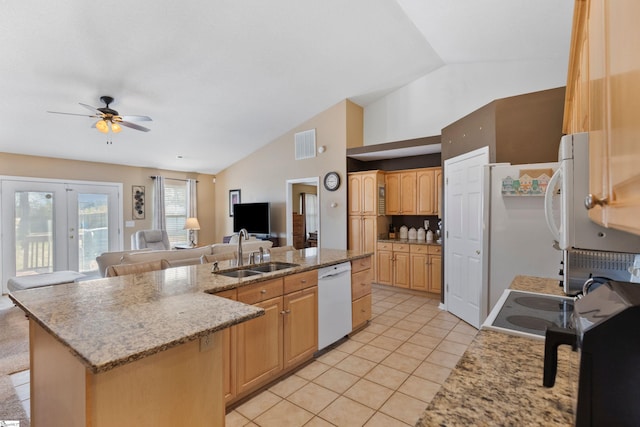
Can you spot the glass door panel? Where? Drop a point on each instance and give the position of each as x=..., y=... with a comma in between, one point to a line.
x=34, y=232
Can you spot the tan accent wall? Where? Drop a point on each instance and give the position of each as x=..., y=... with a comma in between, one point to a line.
x=262, y=176
x=52, y=168
x=355, y=128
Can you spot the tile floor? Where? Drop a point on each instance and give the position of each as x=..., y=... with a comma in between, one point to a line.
x=385, y=375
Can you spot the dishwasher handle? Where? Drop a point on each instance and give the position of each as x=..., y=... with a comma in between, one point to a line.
x=334, y=271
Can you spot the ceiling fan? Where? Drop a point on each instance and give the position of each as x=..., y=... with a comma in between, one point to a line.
x=108, y=118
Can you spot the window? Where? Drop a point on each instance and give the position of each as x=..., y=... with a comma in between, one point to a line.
x=175, y=204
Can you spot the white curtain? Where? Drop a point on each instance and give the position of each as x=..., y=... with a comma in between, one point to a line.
x=311, y=212
x=192, y=204
x=159, y=220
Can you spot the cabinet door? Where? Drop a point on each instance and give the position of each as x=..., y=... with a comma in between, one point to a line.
x=435, y=274
x=385, y=267
x=438, y=192
x=425, y=202
x=300, y=326
x=369, y=233
x=360, y=311
x=229, y=353
x=408, y=193
x=355, y=194
x=419, y=272
x=401, y=269
x=369, y=194
x=259, y=346
x=354, y=241
x=392, y=195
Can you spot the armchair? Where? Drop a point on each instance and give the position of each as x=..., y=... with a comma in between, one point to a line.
x=151, y=239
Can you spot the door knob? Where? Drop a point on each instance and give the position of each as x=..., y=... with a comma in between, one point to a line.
x=592, y=201
x=477, y=252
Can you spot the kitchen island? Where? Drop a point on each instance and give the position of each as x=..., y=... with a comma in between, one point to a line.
x=498, y=380
x=140, y=349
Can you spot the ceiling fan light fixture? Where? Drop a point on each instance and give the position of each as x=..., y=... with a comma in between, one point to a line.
x=115, y=127
x=102, y=126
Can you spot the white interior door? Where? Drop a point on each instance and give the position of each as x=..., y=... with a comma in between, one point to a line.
x=53, y=225
x=464, y=219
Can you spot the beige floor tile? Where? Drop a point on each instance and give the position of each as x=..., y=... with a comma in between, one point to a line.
x=405, y=308
x=419, y=388
x=349, y=346
x=318, y=422
x=404, y=408
x=441, y=358
x=409, y=326
x=383, y=420
x=312, y=370
x=398, y=297
x=465, y=328
x=356, y=365
x=284, y=414
x=401, y=362
x=414, y=350
x=235, y=419
x=428, y=311
x=376, y=329
x=433, y=331
x=392, y=312
x=400, y=334
x=258, y=404
x=313, y=397
x=387, y=343
x=452, y=347
x=369, y=393
x=385, y=320
x=386, y=304
x=443, y=324
x=332, y=357
x=372, y=353
x=346, y=412
x=376, y=311
x=459, y=337
x=445, y=315
x=336, y=380
x=432, y=372
x=418, y=318
x=425, y=340
x=287, y=386
x=363, y=336
x=387, y=376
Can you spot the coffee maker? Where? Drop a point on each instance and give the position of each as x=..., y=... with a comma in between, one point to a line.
x=605, y=331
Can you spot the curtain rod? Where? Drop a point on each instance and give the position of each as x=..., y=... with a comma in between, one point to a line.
x=174, y=179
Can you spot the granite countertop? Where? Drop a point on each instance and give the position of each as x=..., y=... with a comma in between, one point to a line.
x=113, y=321
x=498, y=380
x=410, y=241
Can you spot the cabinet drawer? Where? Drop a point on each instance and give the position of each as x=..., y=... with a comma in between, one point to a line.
x=261, y=291
x=361, y=284
x=435, y=249
x=299, y=281
x=229, y=294
x=360, y=311
x=360, y=264
x=419, y=249
x=401, y=247
x=385, y=246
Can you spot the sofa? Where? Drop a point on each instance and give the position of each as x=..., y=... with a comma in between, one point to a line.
x=177, y=257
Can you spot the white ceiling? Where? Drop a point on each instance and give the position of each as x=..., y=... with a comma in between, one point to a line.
x=222, y=78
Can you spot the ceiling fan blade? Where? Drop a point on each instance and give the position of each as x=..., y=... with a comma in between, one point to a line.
x=73, y=114
x=89, y=107
x=137, y=118
x=134, y=126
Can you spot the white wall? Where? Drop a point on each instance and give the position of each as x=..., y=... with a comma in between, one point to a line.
x=430, y=103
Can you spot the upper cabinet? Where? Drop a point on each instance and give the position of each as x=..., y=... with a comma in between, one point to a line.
x=603, y=98
x=363, y=192
x=413, y=192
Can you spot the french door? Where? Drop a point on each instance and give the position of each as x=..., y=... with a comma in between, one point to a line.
x=56, y=225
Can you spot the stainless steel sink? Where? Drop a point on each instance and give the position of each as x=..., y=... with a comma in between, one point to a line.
x=253, y=269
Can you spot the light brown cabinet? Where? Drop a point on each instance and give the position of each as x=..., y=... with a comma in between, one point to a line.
x=413, y=192
x=438, y=191
x=394, y=264
x=417, y=267
x=300, y=326
x=363, y=192
x=361, y=277
x=384, y=263
x=426, y=201
x=602, y=92
x=229, y=352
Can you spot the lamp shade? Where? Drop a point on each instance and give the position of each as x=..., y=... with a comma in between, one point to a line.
x=102, y=126
x=191, y=224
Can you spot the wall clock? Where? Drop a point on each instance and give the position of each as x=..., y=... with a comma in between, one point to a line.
x=332, y=181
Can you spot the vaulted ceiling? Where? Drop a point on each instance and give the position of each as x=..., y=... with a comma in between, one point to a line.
x=223, y=78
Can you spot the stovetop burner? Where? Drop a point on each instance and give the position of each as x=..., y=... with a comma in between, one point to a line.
x=529, y=314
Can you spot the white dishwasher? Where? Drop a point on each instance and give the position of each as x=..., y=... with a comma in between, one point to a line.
x=334, y=303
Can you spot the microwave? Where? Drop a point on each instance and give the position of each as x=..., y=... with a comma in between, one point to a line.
x=565, y=211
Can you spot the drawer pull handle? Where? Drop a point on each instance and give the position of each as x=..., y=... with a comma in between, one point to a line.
x=303, y=281
x=263, y=291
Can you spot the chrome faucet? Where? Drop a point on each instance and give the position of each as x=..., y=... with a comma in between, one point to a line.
x=242, y=233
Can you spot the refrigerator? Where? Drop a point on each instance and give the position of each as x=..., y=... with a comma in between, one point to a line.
x=519, y=240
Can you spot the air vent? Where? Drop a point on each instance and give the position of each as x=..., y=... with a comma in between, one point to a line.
x=305, y=144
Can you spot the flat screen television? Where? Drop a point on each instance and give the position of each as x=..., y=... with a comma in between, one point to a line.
x=254, y=217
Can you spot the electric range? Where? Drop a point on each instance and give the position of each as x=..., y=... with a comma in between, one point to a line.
x=528, y=313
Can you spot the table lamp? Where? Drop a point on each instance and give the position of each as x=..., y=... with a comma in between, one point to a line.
x=191, y=224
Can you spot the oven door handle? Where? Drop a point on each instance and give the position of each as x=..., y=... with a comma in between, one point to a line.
x=553, y=338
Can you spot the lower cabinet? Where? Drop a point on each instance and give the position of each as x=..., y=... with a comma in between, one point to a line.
x=361, y=277
x=435, y=274
x=229, y=353
x=300, y=326
x=411, y=266
x=394, y=262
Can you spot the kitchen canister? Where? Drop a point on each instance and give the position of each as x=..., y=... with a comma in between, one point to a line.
x=429, y=236
x=421, y=234
x=413, y=234
x=404, y=231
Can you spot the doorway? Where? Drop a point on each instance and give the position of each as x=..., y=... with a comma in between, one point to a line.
x=56, y=225
x=306, y=210
x=465, y=234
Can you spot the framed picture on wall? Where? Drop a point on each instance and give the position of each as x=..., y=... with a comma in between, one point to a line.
x=137, y=202
x=234, y=199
